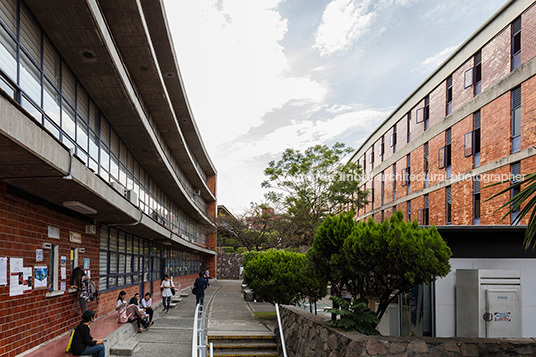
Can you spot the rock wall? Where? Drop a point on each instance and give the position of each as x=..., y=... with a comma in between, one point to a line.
x=229, y=265
x=310, y=335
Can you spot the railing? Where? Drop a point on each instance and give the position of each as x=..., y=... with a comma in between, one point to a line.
x=283, y=347
x=199, y=349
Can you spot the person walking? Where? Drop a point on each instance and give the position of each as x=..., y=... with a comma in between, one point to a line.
x=200, y=285
x=83, y=343
x=80, y=281
x=165, y=287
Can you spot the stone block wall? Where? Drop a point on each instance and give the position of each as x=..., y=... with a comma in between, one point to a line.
x=311, y=335
x=229, y=265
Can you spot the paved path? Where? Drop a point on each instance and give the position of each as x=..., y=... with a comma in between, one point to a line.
x=227, y=313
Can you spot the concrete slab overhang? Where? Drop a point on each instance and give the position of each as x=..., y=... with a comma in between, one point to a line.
x=81, y=34
x=35, y=162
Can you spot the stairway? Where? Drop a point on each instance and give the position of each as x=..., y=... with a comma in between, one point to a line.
x=243, y=345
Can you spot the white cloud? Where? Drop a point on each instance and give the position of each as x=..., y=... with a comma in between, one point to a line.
x=432, y=62
x=343, y=23
x=233, y=65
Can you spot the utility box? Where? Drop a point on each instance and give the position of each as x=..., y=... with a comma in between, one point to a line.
x=488, y=303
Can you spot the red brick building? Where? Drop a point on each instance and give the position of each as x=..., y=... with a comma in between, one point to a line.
x=471, y=123
x=101, y=163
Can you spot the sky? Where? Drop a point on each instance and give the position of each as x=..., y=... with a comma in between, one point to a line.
x=262, y=76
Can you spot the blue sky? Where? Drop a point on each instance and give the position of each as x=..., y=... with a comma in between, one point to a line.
x=265, y=75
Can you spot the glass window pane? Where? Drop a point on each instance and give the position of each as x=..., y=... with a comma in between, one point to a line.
x=129, y=243
x=30, y=34
x=81, y=134
x=136, y=245
x=51, y=63
x=113, y=263
x=516, y=125
x=105, y=158
x=128, y=263
x=93, y=117
x=113, y=239
x=114, y=167
x=122, y=241
x=50, y=127
x=31, y=109
x=82, y=155
x=68, y=84
x=68, y=124
x=6, y=86
x=8, y=54
x=114, y=146
x=112, y=282
x=82, y=102
x=52, y=103
x=123, y=175
x=103, y=263
x=105, y=132
x=121, y=263
x=93, y=145
x=102, y=283
x=8, y=14
x=30, y=79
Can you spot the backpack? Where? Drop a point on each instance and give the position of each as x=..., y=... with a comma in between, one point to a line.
x=93, y=291
x=68, y=349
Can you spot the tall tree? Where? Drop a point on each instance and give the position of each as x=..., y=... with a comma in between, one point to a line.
x=312, y=184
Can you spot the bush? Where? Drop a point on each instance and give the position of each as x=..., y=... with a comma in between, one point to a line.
x=354, y=316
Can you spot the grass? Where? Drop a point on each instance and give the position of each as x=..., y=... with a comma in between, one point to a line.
x=265, y=315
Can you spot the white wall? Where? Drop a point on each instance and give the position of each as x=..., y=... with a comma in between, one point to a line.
x=445, y=293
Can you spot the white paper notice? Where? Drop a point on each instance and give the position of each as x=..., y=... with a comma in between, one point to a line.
x=39, y=255
x=16, y=277
x=40, y=277
x=3, y=271
x=64, y=273
x=63, y=286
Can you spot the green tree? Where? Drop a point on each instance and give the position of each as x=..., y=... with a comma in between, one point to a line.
x=310, y=185
x=390, y=258
x=278, y=276
x=523, y=201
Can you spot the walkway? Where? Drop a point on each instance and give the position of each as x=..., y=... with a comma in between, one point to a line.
x=171, y=335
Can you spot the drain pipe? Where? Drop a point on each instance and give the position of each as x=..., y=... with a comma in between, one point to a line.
x=281, y=331
x=129, y=224
x=69, y=176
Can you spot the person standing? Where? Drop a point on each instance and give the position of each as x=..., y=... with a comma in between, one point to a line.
x=200, y=285
x=147, y=306
x=83, y=343
x=166, y=286
x=80, y=281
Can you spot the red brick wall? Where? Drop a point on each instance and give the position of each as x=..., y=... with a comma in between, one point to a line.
x=495, y=129
x=487, y=211
x=31, y=319
x=436, y=174
x=388, y=185
x=462, y=203
x=416, y=129
x=388, y=147
x=417, y=169
x=496, y=61
x=377, y=191
x=528, y=34
x=211, y=183
x=528, y=114
x=461, y=95
x=438, y=104
x=528, y=166
x=401, y=191
x=401, y=133
x=460, y=163
x=437, y=207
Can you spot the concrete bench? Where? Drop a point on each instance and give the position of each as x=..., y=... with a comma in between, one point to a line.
x=248, y=294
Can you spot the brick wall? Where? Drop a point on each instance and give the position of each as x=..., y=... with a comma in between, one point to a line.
x=462, y=203
x=438, y=104
x=488, y=208
x=460, y=163
x=461, y=95
x=437, y=207
x=528, y=34
x=436, y=174
x=496, y=62
x=496, y=129
x=528, y=114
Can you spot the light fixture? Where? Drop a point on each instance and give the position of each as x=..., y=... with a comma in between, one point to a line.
x=79, y=207
x=166, y=243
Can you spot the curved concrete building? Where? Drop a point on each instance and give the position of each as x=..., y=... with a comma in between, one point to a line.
x=101, y=163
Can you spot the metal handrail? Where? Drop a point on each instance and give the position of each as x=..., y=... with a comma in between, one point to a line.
x=198, y=334
x=281, y=331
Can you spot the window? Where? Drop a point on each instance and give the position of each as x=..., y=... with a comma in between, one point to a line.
x=382, y=148
x=516, y=119
x=449, y=94
x=383, y=187
x=364, y=164
x=408, y=173
x=516, y=177
x=53, y=268
x=392, y=142
x=425, y=164
x=423, y=113
x=422, y=214
x=372, y=194
x=516, y=43
x=449, y=204
x=476, y=139
x=408, y=127
x=478, y=73
x=444, y=156
x=409, y=210
x=476, y=200
x=371, y=157
x=394, y=181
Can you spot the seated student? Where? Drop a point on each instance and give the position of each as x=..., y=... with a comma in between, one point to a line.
x=130, y=312
x=83, y=343
x=146, y=305
x=136, y=296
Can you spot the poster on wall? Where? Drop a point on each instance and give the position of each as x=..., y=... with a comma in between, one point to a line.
x=86, y=263
x=40, y=277
x=3, y=270
x=20, y=281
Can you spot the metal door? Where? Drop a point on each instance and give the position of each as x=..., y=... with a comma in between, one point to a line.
x=502, y=313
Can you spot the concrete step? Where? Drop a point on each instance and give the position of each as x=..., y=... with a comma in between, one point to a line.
x=217, y=339
x=176, y=299
x=248, y=345
x=184, y=294
x=124, y=348
x=245, y=354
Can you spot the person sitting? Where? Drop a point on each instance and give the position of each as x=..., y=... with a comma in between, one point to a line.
x=130, y=312
x=83, y=343
x=147, y=306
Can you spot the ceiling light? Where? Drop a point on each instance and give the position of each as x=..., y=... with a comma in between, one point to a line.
x=79, y=207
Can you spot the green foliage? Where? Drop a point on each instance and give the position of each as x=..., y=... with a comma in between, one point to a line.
x=313, y=184
x=276, y=276
x=249, y=255
x=228, y=249
x=354, y=315
x=379, y=261
x=231, y=242
x=525, y=202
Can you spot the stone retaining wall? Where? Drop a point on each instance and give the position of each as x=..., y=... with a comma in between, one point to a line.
x=311, y=335
x=229, y=265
